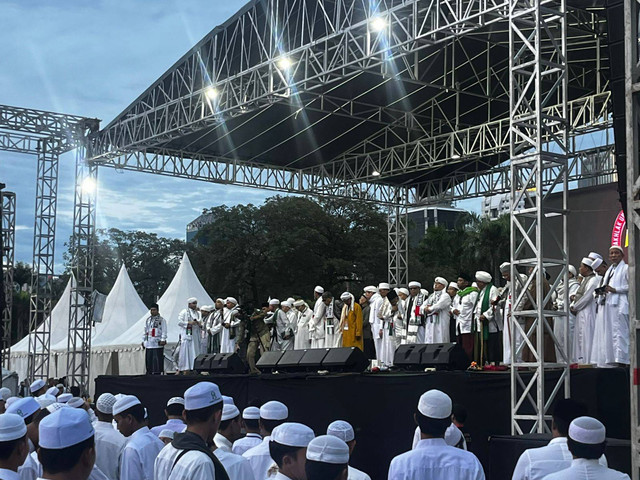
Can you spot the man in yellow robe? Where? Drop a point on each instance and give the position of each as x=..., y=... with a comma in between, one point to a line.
x=351, y=322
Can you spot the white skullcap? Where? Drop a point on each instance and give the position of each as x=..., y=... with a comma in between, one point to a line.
x=207, y=308
x=45, y=400
x=125, y=403
x=10, y=400
x=424, y=292
x=587, y=430
x=328, y=449
x=251, y=413
x=572, y=271
x=56, y=406
x=345, y=296
x=594, y=255
x=274, y=301
x=76, y=402
x=341, y=429
x=454, y=285
x=587, y=261
x=166, y=433
x=221, y=300
x=24, y=407
x=435, y=404
x=286, y=303
x=415, y=285
x=5, y=393
x=504, y=267
x=482, y=276
x=384, y=286
x=371, y=289
x=474, y=285
x=231, y=300
x=64, y=428
x=596, y=263
x=298, y=303
x=292, y=435
x=291, y=300
x=319, y=289
x=192, y=300
x=176, y=401
x=229, y=411
x=228, y=400
x=452, y=435
x=616, y=247
x=64, y=397
x=441, y=281
x=403, y=291
x=12, y=427
x=274, y=410
x=37, y=385
x=60, y=386
x=201, y=395
x=105, y=403
x=53, y=391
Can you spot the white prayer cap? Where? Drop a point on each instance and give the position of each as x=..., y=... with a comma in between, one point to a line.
x=370, y=289
x=403, y=291
x=53, y=391
x=201, y=395
x=452, y=435
x=616, y=247
x=435, y=404
x=292, y=435
x=64, y=428
x=166, y=433
x=291, y=300
x=192, y=300
x=207, y=308
x=105, y=403
x=424, y=291
x=45, y=400
x=24, y=407
x=441, y=281
x=12, y=427
x=345, y=296
x=64, y=397
x=76, y=402
x=504, y=267
x=454, y=285
x=587, y=261
x=221, y=300
x=594, y=255
x=227, y=400
x=251, y=413
x=274, y=301
x=37, y=385
x=229, y=411
x=328, y=449
x=587, y=430
x=572, y=271
x=10, y=400
x=482, y=276
x=415, y=285
x=60, y=386
x=319, y=290
x=5, y=393
x=231, y=300
x=56, y=406
x=274, y=410
x=341, y=429
x=596, y=263
x=176, y=401
x=286, y=304
x=298, y=303
x=125, y=403
x=384, y=286
x=474, y=284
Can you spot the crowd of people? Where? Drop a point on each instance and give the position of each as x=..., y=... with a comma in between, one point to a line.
x=53, y=435
x=474, y=310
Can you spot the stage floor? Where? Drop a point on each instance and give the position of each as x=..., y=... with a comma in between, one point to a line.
x=380, y=406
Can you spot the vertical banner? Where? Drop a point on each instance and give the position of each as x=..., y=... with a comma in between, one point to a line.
x=619, y=233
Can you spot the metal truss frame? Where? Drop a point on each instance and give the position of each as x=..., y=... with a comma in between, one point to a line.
x=398, y=246
x=632, y=111
x=532, y=23
x=7, y=251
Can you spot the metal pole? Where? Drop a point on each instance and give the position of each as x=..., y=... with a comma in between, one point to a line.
x=7, y=248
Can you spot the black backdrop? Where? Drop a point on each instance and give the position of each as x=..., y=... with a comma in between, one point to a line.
x=381, y=406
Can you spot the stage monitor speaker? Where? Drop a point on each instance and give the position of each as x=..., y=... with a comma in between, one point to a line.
x=312, y=359
x=442, y=356
x=290, y=361
x=202, y=362
x=408, y=356
x=220, y=363
x=345, y=359
x=268, y=361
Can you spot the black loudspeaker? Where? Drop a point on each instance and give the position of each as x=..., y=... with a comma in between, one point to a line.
x=442, y=356
x=347, y=359
x=268, y=361
x=312, y=359
x=290, y=361
x=220, y=363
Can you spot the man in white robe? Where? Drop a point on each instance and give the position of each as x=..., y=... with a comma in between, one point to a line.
x=317, y=323
x=154, y=340
x=611, y=339
x=109, y=442
x=281, y=330
x=214, y=326
x=463, y=313
x=401, y=317
x=206, y=315
x=488, y=339
x=344, y=431
x=272, y=414
x=414, y=322
x=302, y=340
x=437, y=313
x=558, y=329
x=292, y=316
x=505, y=306
x=583, y=306
x=189, y=323
x=251, y=425
x=331, y=320
x=287, y=448
x=389, y=312
x=230, y=324
x=376, y=317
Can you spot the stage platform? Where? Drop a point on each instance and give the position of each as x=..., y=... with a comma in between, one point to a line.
x=380, y=406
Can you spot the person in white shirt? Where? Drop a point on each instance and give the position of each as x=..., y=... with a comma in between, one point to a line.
x=583, y=306
x=5, y=393
x=433, y=458
x=281, y=329
x=537, y=463
x=376, y=320
x=437, y=313
x=230, y=323
x=251, y=424
x=463, y=312
x=488, y=346
x=587, y=441
x=13, y=445
x=316, y=325
x=344, y=431
x=230, y=428
x=142, y=448
x=272, y=414
x=109, y=442
x=188, y=455
x=154, y=340
x=287, y=447
x=189, y=323
x=327, y=459
x=302, y=340
x=173, y=412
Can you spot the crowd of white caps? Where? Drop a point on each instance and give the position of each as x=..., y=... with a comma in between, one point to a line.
x=52, y=436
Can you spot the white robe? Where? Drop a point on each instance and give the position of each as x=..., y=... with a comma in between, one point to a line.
x=193, y=465
x=245, y=443
x=355, y=474
x=332, y=335
x=189, y=343
x=236, y=466
x=214, y=327
x=437, y=319
x=229, y=319
x=109, y=444
x=583, y=469
x=31, y=469
x=611, y=337
x=139, y=455
x=260, y=458
x=558, y=325
x=388, y=325
x=376, y=323
x=302, y=340
x=282, y=329
x=585, y=321
x=317, y=324
x=509, y=330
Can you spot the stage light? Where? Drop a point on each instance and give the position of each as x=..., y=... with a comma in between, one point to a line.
x=285, y=63
x=375, y=173
x=211, y=93
x=88, y=185
x=455, y=156
x=378, y=24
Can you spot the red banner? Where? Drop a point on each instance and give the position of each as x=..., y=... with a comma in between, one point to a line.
x=618, y=236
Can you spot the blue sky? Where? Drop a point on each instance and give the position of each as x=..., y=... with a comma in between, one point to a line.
x=93, y=59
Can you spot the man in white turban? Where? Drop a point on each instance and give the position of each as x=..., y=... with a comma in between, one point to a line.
x=583, y=306
x=487, y=346
x=437, y=313
x=302, y=340
x=189, y=321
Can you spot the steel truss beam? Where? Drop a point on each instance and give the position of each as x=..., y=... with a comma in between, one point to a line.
x=632, y=108
x=26, y=143
x=7, y=250
x=82, y=248
x=398, y=246
x=533, y=128
x=43, y=262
